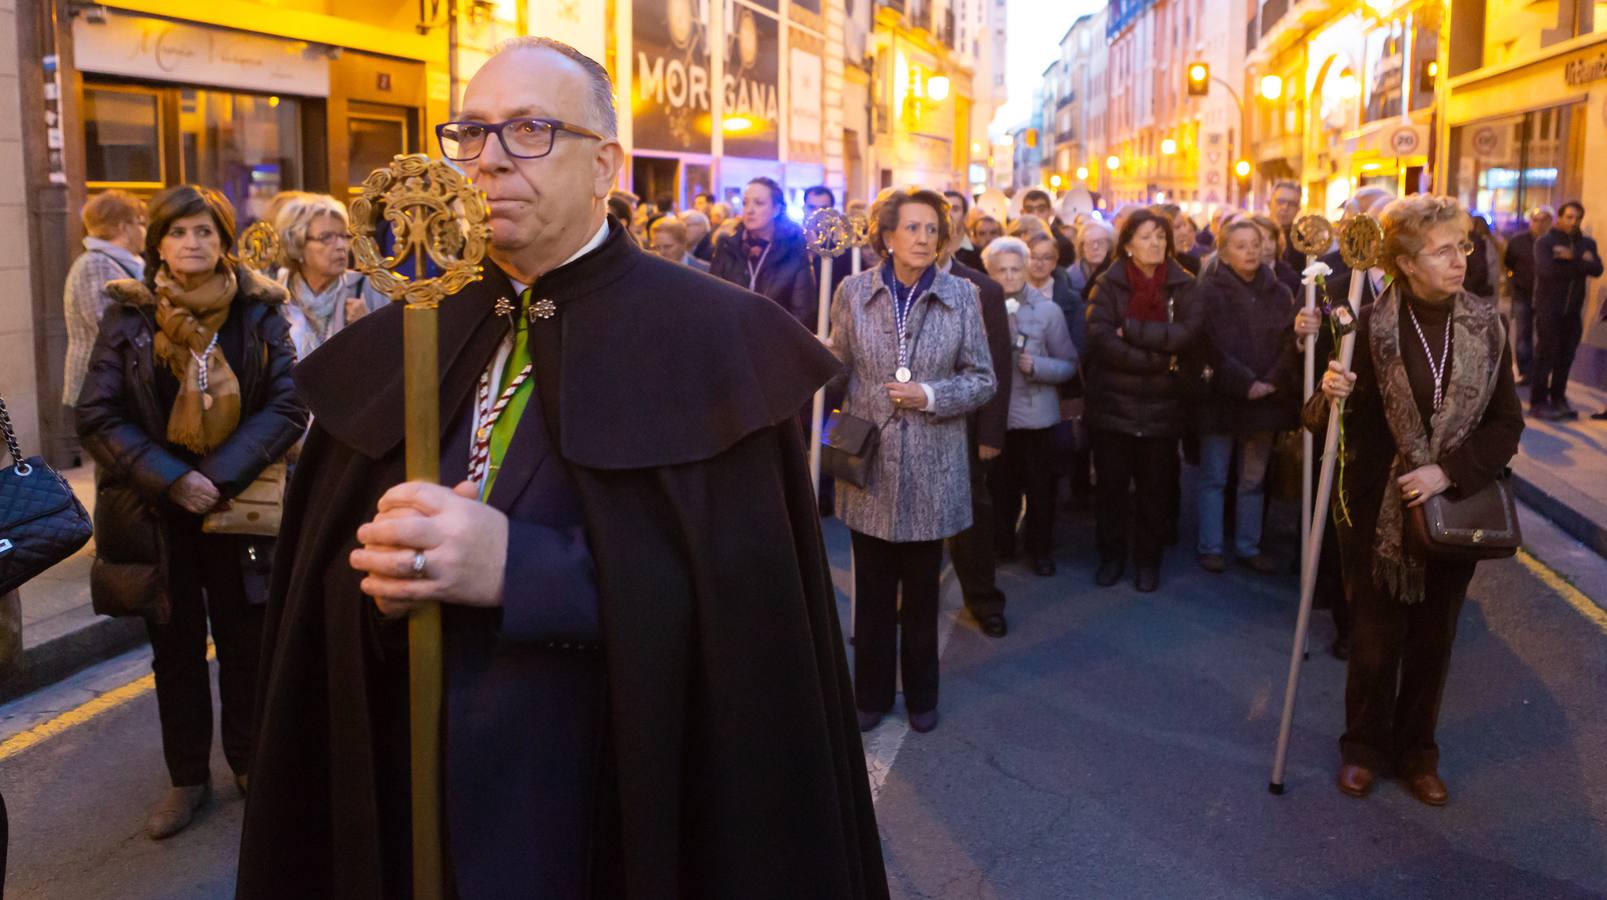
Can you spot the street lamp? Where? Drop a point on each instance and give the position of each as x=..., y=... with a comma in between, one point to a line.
x=1168, y=147
x=1271, y=87
x=1242, y=168
x=1054, y=181
x=1113, y=162
x=937, y=88
x=1082, y=173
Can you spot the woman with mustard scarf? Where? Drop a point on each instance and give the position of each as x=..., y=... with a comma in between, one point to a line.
x=187, y=400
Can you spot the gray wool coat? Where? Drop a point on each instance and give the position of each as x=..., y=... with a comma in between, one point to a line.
x=919, y=487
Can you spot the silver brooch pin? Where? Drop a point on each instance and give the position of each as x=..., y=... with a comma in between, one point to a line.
x=543, y=309
x=504, y=307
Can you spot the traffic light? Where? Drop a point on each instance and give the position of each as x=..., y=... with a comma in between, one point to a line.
x=1032, y=137
x=1199, y=79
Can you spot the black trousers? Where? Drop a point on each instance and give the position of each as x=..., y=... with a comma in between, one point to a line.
x=971, y=551
x=1400, y=655
x=1557, y=334
x=205, y=583
x=1135, y=477
x=880, y=569
x=1024, y=470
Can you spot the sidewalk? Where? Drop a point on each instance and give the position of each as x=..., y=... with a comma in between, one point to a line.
x=1561, y=469
x=60, y=633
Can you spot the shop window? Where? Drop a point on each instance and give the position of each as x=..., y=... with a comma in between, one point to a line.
x=123, y=138
x=1386, y=57
x=246, y=145
x=1503, y=167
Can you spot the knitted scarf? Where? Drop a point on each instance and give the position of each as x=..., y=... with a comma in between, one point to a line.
x=1477, y=338
x=208, y=405
x=1148, y=303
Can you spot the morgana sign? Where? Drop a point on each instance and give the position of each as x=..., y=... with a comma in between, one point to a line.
x=1584, y=71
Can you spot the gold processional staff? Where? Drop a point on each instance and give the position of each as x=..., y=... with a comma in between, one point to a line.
x=437, y=222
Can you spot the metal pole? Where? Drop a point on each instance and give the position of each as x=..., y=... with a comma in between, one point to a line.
x=1308, y=571
x=420, y=347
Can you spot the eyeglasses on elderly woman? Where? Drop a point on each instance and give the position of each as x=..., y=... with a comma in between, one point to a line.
x=1448, y=253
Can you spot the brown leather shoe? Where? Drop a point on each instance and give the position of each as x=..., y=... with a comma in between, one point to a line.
x=1428, y=788
x=1355, y=780
x=178, y=806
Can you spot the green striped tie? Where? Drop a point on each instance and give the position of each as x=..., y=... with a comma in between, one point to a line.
x=502, y=431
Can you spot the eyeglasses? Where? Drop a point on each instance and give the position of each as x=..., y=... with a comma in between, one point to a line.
x=1448, y=252
x=329, y=237
x=1045, y=259
x=525, y=138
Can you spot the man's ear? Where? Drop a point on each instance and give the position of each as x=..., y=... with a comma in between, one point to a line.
x=609, y=160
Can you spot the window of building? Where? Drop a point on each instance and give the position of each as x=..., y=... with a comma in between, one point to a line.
x=1503, y=166
x=123, y=138
x=1517, y=28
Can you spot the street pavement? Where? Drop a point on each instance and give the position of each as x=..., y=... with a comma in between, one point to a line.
x=1113, y=745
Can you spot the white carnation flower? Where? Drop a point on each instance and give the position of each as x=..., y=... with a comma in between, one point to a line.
x=1012, y=305
x=1314, y=271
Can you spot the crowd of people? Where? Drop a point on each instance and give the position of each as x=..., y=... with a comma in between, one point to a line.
x=993, y=357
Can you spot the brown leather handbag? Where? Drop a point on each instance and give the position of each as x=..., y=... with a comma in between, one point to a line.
x=1482, y=525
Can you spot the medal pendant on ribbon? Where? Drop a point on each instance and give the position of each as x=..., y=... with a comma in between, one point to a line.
x=903, y=375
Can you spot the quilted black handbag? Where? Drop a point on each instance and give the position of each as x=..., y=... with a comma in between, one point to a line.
x=41, y=522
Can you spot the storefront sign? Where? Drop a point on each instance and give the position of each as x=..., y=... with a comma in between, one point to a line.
x=805, y=136
x=671, y=106
x=161, y=50
x=1584, y=71
x=750, y=88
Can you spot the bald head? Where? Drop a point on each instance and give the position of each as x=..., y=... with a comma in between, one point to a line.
x=543, y=209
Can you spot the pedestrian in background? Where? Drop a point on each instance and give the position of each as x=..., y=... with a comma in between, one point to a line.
x=668, y=240
x=1044, y=357
x=959, y=213
x=984, y=231
x=325, y=295
x=1045, y=276
x=1283, y=207
x=1563, y=260
x=699, y=234
x=1139, y=321
x=114, y=222
x=1183, y=235
x=1186, y=237
x=1249, y=395
x=1519, y=262
x=1037, y=202
x=1427, y=354
x=174, y=443
x=766, y=253
x=912, y=340
x=1273, y=256
x=1480, y=281
x=1093, y=255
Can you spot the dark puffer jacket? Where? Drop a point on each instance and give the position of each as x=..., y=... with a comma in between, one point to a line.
x=785, y=277
x=1245, y=338
x=1134, y=380
x=122, y=422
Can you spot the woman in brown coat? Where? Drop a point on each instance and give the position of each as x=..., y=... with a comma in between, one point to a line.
x=1431, y=409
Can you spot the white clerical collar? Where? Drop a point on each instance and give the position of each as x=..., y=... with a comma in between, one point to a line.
x=595, y=242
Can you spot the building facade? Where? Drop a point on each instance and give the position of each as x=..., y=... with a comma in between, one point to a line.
x=1359, y=97
x=1526, y=109
x=922, y=97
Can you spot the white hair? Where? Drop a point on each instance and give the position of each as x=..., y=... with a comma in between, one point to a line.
x=1094, y=228
x=295, y=219
x=600, y=102
x=693, y=217
x=1000, y=246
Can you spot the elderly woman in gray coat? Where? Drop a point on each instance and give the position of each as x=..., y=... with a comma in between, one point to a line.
x=911, y=338
x=1045, y=357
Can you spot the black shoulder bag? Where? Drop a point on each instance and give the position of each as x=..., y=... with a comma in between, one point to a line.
x=849, y=448
x=41, y=522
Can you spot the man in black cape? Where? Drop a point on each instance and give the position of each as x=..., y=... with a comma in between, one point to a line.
x=646, y=690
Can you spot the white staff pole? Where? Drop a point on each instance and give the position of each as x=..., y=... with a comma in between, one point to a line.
x=1306, y=437
x=822, y=331
x=1308, y=570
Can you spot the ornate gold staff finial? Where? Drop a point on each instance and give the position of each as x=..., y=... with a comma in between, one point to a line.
x=259, y=246
x=828, y=233
x=1312, y=235
x=859, y=228
x=1361, y=240
x=435, y=215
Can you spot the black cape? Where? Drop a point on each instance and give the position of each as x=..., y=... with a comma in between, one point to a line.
x=734, y=767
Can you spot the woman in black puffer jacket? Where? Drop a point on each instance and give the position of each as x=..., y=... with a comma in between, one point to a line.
x=766, y=254
x=188, y=398
x=1250, y=394
x=1140, y=319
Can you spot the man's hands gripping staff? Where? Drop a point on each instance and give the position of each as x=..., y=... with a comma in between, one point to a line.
x=429, y=544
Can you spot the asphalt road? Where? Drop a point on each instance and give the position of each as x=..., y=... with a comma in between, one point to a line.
x=1113, y=745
